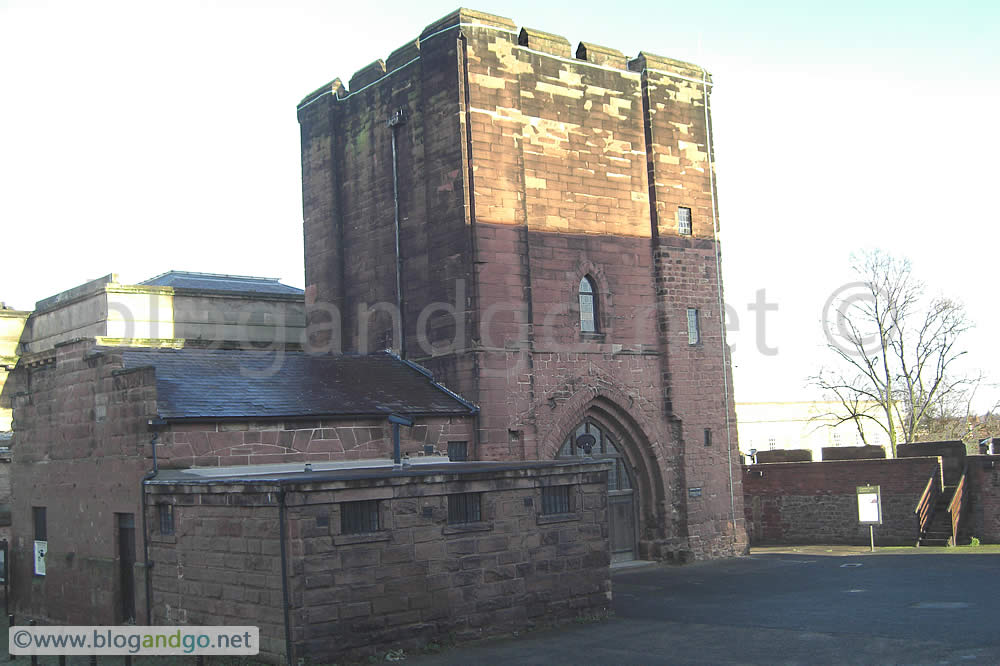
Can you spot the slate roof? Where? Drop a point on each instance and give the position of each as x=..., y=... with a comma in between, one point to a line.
x=247, y=384
x=213, y=281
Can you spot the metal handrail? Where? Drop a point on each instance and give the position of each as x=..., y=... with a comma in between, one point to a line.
x=925, y=507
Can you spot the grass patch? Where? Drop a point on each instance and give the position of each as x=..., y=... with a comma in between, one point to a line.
x=974, y=548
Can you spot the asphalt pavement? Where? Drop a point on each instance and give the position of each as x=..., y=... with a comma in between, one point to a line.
x=807, y=606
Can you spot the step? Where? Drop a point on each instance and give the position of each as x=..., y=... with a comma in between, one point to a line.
x=937, y=534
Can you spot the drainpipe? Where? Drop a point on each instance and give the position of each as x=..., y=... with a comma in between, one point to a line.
x=470, y=185
x=155, y=424
x=396, y=120
x=396, y=420
x=284, y=576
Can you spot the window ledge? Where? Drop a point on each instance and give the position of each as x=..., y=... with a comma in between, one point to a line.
x=467, y=527
x=545, y=519
x=163, y=538
x=368, y=537
x=592, y=337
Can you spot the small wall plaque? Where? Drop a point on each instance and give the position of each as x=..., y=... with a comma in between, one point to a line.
x=694, y=492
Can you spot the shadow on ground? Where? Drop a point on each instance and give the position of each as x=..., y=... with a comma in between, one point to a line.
x=810, y=605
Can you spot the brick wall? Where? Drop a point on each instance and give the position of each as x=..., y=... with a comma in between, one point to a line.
x=784, y=455
x=952, y=455
x=854, y=452
x=816, y=502
x=416, y=580
x=983, y=519
x=529, y=170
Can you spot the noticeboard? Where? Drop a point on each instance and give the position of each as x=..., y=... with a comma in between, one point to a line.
x=869, y=505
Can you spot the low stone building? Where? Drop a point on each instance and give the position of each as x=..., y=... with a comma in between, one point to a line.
x=338, y=563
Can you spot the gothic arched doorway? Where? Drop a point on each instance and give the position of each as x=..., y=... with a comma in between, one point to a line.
x=621, y=489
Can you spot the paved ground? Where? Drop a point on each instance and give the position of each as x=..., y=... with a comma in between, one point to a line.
x=796, y=606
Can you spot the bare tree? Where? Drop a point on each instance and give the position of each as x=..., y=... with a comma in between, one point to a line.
x=953, y=416
x=894, y=347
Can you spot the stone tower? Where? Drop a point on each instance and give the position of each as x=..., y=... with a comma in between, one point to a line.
x=537, y=226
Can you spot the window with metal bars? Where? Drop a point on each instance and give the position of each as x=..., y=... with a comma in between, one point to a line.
x=458, y=451
x=555, y=499
x=359, y=517
x=684, y=221
x=166, y=515
x=465, y=508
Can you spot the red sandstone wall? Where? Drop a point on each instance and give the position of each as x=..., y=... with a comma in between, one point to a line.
x=983, y=521
x=537, y=171
x=80, y=448
x=222, y=565
x=417, y=580
x=816, y=502
x=251, y=443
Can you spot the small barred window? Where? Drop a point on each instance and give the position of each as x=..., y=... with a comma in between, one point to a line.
x=555, y=499
x=465, y=508
x=359, y=517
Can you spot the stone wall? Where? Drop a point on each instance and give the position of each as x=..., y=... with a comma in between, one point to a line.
x=222, y=565
x=5, y=497
x=520, y=170
x=816, y=502
x=415, y=580
x=853, y=452
x=952, y=455
x=784, y=455
x=211, y=444
x=106, y=309
x=983, y=520
x=81, y=446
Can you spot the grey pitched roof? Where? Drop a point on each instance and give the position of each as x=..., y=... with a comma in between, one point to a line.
x=233, y=383
x=238, y=283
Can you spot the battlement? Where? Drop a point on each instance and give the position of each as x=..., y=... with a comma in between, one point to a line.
x=529, y=38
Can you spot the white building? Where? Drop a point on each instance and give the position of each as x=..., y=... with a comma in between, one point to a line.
x=768, y=426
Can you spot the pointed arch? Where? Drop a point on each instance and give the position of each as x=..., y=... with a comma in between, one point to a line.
x=589, y=303
x=611, y=410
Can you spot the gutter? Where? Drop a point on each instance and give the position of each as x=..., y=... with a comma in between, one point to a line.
x=473, y=409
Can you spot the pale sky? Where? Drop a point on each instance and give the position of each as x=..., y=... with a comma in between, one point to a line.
x=140, y=137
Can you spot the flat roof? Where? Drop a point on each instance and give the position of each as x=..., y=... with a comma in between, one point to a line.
x=350, y=470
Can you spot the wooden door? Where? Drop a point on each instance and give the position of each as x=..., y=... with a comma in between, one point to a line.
x=126, y=565
x=621, y=514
